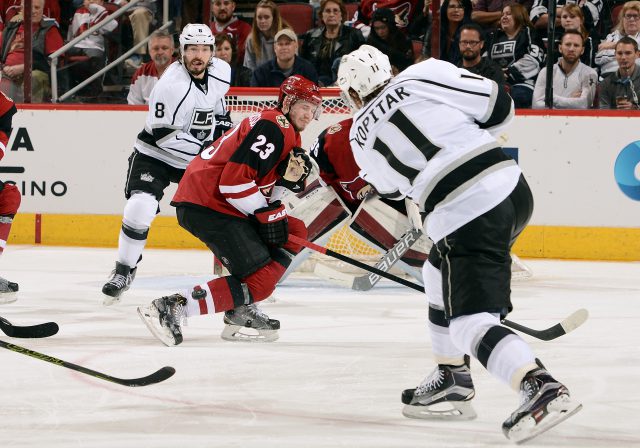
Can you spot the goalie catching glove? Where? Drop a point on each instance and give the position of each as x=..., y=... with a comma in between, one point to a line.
x=273, y=226
x=295, y=170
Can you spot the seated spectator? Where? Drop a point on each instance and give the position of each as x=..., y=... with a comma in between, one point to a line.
x=325, y=45
x=471, y=48
x=141, y=18
x=572, y=18
x=46, y=40
x=487, y=13
x=620, y=90
x=226, y=50
x=9, y=8
x=386, y=37
x=516, y=48
x=539, y=13
x=161, y=49
x=92, y=46
x=628, y=25
x=285, y=64
x=405, y=12
x=225, y=22
x=266, y=23
x=453, y=14
x=574, y=83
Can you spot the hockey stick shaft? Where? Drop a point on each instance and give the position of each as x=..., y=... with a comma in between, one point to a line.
x=569, y=324
x=156, y=377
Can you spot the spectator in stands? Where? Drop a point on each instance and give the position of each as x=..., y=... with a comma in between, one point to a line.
x=517, y=49
x=325, y=45
x=141, y=17
x=92, y=46
x=46, y=40
x=225, y=22
x=226, y=50
x=266, y=23
x=9, y=8
x=628, y=25
x=161, y=49
x=574, y=83
x=620, y=90
x=487, y=13
x=405, y=12
x=285, y=64
x=471, y=48
x=572, y=18
x=539, y=14
x=453, y=14
x=386, y=37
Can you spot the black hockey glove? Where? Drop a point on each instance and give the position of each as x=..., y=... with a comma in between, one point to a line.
x=273, y=225
x=294, y=170
x=223, y=124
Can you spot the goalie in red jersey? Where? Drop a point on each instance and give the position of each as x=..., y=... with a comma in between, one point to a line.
x=9, y=195
x=228, y=199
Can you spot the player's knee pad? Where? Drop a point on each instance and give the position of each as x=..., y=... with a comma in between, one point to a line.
x=262, y=282
x=432, y=278
x=467, y=332
x=10, y=199
x=140, y=211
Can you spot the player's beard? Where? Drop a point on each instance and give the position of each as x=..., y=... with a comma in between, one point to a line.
x=196, y=71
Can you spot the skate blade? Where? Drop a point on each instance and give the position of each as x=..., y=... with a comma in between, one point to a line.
x=447, y=410
x=149, y=318
x=557, y=410
x=237, y=333
x=108, y=300
x=8, y=297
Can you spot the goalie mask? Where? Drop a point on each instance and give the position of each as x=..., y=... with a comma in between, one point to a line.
x=196, y=34
x=296, y=88
x=364, y=70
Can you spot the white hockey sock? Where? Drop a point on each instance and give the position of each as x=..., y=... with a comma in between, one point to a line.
x=194, y=306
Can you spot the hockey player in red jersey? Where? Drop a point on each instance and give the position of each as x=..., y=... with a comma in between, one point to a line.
x=228, y=198
x=9, y=195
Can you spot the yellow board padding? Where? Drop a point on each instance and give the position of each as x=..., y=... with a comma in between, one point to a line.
x=589, y=243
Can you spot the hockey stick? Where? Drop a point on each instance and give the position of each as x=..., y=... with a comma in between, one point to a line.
x=570, y=323
x=30, y=331
x=368, y=281
x=156, y=377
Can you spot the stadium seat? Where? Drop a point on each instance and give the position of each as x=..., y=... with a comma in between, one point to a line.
x=298, y=15
x=351, y=9
x=615, y=13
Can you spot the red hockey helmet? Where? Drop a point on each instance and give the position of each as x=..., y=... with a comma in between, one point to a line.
x=298, y=87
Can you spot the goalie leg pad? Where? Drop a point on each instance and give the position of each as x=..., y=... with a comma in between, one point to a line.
x=10, y=199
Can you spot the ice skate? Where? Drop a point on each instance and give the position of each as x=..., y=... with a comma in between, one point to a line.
x=121, y=278
x=248, y=323
x=443, y=395
x=163, y=318
x=8, y=291
x=544, y=403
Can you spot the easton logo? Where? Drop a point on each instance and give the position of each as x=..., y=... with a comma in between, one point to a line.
x=277, y=216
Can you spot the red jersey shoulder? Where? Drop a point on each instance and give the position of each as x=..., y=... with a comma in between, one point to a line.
x=291, y=136
x=6, y=103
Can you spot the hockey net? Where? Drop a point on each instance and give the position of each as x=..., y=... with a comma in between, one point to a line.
x=243, y=102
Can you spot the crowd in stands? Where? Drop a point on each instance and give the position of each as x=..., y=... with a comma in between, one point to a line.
x=595, y=49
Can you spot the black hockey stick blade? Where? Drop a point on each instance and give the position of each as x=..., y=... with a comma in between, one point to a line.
x=156, y=377
x=29, y=331
x=576, y=319
x=570, y=323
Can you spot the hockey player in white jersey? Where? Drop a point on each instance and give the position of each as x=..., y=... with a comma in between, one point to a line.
x=428, y=134
x=184, y=107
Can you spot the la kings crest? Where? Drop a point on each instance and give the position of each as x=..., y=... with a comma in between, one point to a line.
x=202, y=121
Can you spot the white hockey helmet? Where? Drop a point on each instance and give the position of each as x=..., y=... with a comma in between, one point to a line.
x=196, y=34
x=364, y=70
